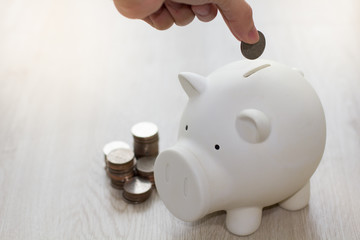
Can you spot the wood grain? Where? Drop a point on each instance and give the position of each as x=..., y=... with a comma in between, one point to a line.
x=75, y=75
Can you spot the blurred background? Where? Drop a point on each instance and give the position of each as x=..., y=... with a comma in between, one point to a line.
x=76, y=74
x=85, y=52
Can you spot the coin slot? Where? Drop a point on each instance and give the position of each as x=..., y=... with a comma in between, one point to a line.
x=186, y=127
x=186, y=186
x=252, y=71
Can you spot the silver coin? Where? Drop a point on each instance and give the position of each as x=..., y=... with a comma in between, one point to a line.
x=137, y=186
x=120, y=177
x=117, y=184
x=253, y=51
x=146, y=149
x=114, y=145
x=120, y=156
x=122, y=169
x=144, y=130
x=137, y=190
x=145, y=164
x=132, y=199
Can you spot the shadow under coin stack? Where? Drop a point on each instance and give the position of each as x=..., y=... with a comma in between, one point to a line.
x=120, y=166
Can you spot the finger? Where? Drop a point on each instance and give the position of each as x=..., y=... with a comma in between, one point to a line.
x=181, y=13
x=206, y=12
x=161, y=19
x=139, y=9
x=148, y=20
x=195, y=2
x=238, y=16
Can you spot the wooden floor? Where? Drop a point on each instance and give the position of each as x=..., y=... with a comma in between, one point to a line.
x=75, y=75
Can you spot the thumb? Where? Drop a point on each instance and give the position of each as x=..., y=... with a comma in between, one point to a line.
x=238, y=16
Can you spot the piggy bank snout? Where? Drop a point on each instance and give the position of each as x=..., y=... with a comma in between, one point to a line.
x=181, y=184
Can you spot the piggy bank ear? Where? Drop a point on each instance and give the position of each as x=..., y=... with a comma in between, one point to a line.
x=192, y=83
x=253, y=125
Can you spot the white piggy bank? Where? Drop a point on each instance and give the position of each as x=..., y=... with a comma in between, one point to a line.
x=251, y=135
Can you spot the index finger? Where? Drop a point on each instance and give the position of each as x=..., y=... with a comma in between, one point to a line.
x=238, y=16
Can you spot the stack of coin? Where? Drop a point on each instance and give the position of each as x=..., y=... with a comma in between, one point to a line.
x=120, y=166
x=137, y=190
x=145, y=168
x=112, y=146
x=146, y=139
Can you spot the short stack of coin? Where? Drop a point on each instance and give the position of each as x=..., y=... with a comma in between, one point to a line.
x=112, y=146
x=120, y=166
x=137, y=190
x=145, y=168
x=146, y=139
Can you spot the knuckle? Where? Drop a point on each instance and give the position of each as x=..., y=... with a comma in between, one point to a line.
x=185, y=20
x=126, y=8
x=136, y=9
x=163, y=26
x=248, y=12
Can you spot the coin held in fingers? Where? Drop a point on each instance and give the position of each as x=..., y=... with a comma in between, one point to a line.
x=253, y=51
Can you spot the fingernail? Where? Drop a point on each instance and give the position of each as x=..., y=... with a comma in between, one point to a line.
x=253, y=35
x=202, y=10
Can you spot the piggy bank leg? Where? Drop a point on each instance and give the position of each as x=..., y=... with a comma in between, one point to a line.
x=243, y=221
x=299, y=200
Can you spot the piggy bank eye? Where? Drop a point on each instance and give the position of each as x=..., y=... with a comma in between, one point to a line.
x=186, y=127
x=217, y=147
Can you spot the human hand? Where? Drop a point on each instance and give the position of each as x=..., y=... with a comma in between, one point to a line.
x=161, y=14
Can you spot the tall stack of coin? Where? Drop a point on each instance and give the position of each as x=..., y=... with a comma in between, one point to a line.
x=137, y=190
x=145, y=168
x=120, y=166
x=146, y=139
